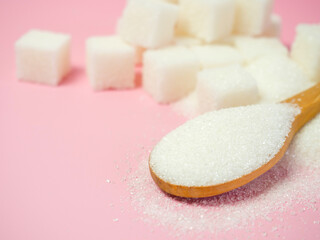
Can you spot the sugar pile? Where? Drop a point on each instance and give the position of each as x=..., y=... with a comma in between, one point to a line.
x=220, y=146
x=293, y=181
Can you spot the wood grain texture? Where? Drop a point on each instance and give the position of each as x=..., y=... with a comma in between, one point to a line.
x=309, y=103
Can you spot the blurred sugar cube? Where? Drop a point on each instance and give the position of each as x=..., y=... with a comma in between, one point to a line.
x=148, y=23
x=274, y=27
x=306, y=50
x=278, y=78
x=206, y=19
x=170, y=73
x=253, y=48
x=225, y=87
x=42, y=57
x=211, y=56
x=110, y=62
x=252, y=16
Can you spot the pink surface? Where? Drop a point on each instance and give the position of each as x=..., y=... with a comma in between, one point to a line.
x=58, y=146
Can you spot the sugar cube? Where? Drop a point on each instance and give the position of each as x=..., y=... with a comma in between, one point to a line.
x=274, y=27
x=253, y=48
x=139, y=50
x=225, y=87
x=170, y=73
x=206, y=19
x=306, y=50
x=148, y=23
x=43, y=57
x=110, y=63
x=252, y=16
x=278, y=78
x=211, y=56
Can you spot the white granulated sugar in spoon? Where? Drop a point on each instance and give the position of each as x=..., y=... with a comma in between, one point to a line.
x=224, y=145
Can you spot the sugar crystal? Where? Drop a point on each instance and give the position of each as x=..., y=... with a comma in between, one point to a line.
x=223, y=145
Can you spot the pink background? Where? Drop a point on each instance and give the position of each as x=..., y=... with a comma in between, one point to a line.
x=59, y=145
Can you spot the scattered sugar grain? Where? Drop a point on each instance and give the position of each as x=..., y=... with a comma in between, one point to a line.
x=292, y=182
x=223, y=145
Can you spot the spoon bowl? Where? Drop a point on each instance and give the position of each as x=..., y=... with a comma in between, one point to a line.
x=309, y=103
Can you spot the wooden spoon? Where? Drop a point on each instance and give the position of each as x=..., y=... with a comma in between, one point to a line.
x=309, y=103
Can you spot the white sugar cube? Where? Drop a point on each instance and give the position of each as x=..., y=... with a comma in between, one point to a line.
x=254, y=48
x=212, y=56
x=306, y=50
x=170, y=73
x=207, y=20
x=252, y=16
x=139, y=50
x=278, y=78
x=110, y=63
x=225, y=87
x=148, y=23
x=274, y=27
x=43, y=57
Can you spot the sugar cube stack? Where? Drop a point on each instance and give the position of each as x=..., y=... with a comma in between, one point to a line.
x=43, y=57
x=254, y=48
x=252, y=16
x=211, y=56
x=148, y=23
x=110, y=63
x=176, y=39
x=278, y=78
x=207, y=20
x=225, y=87
x=306, y=50
x=169, y=74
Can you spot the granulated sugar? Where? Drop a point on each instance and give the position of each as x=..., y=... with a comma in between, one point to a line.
x=293, y=181
x=306, y=145
x=223, y=145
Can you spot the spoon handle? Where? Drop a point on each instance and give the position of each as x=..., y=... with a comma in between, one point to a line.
x=309, y=103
